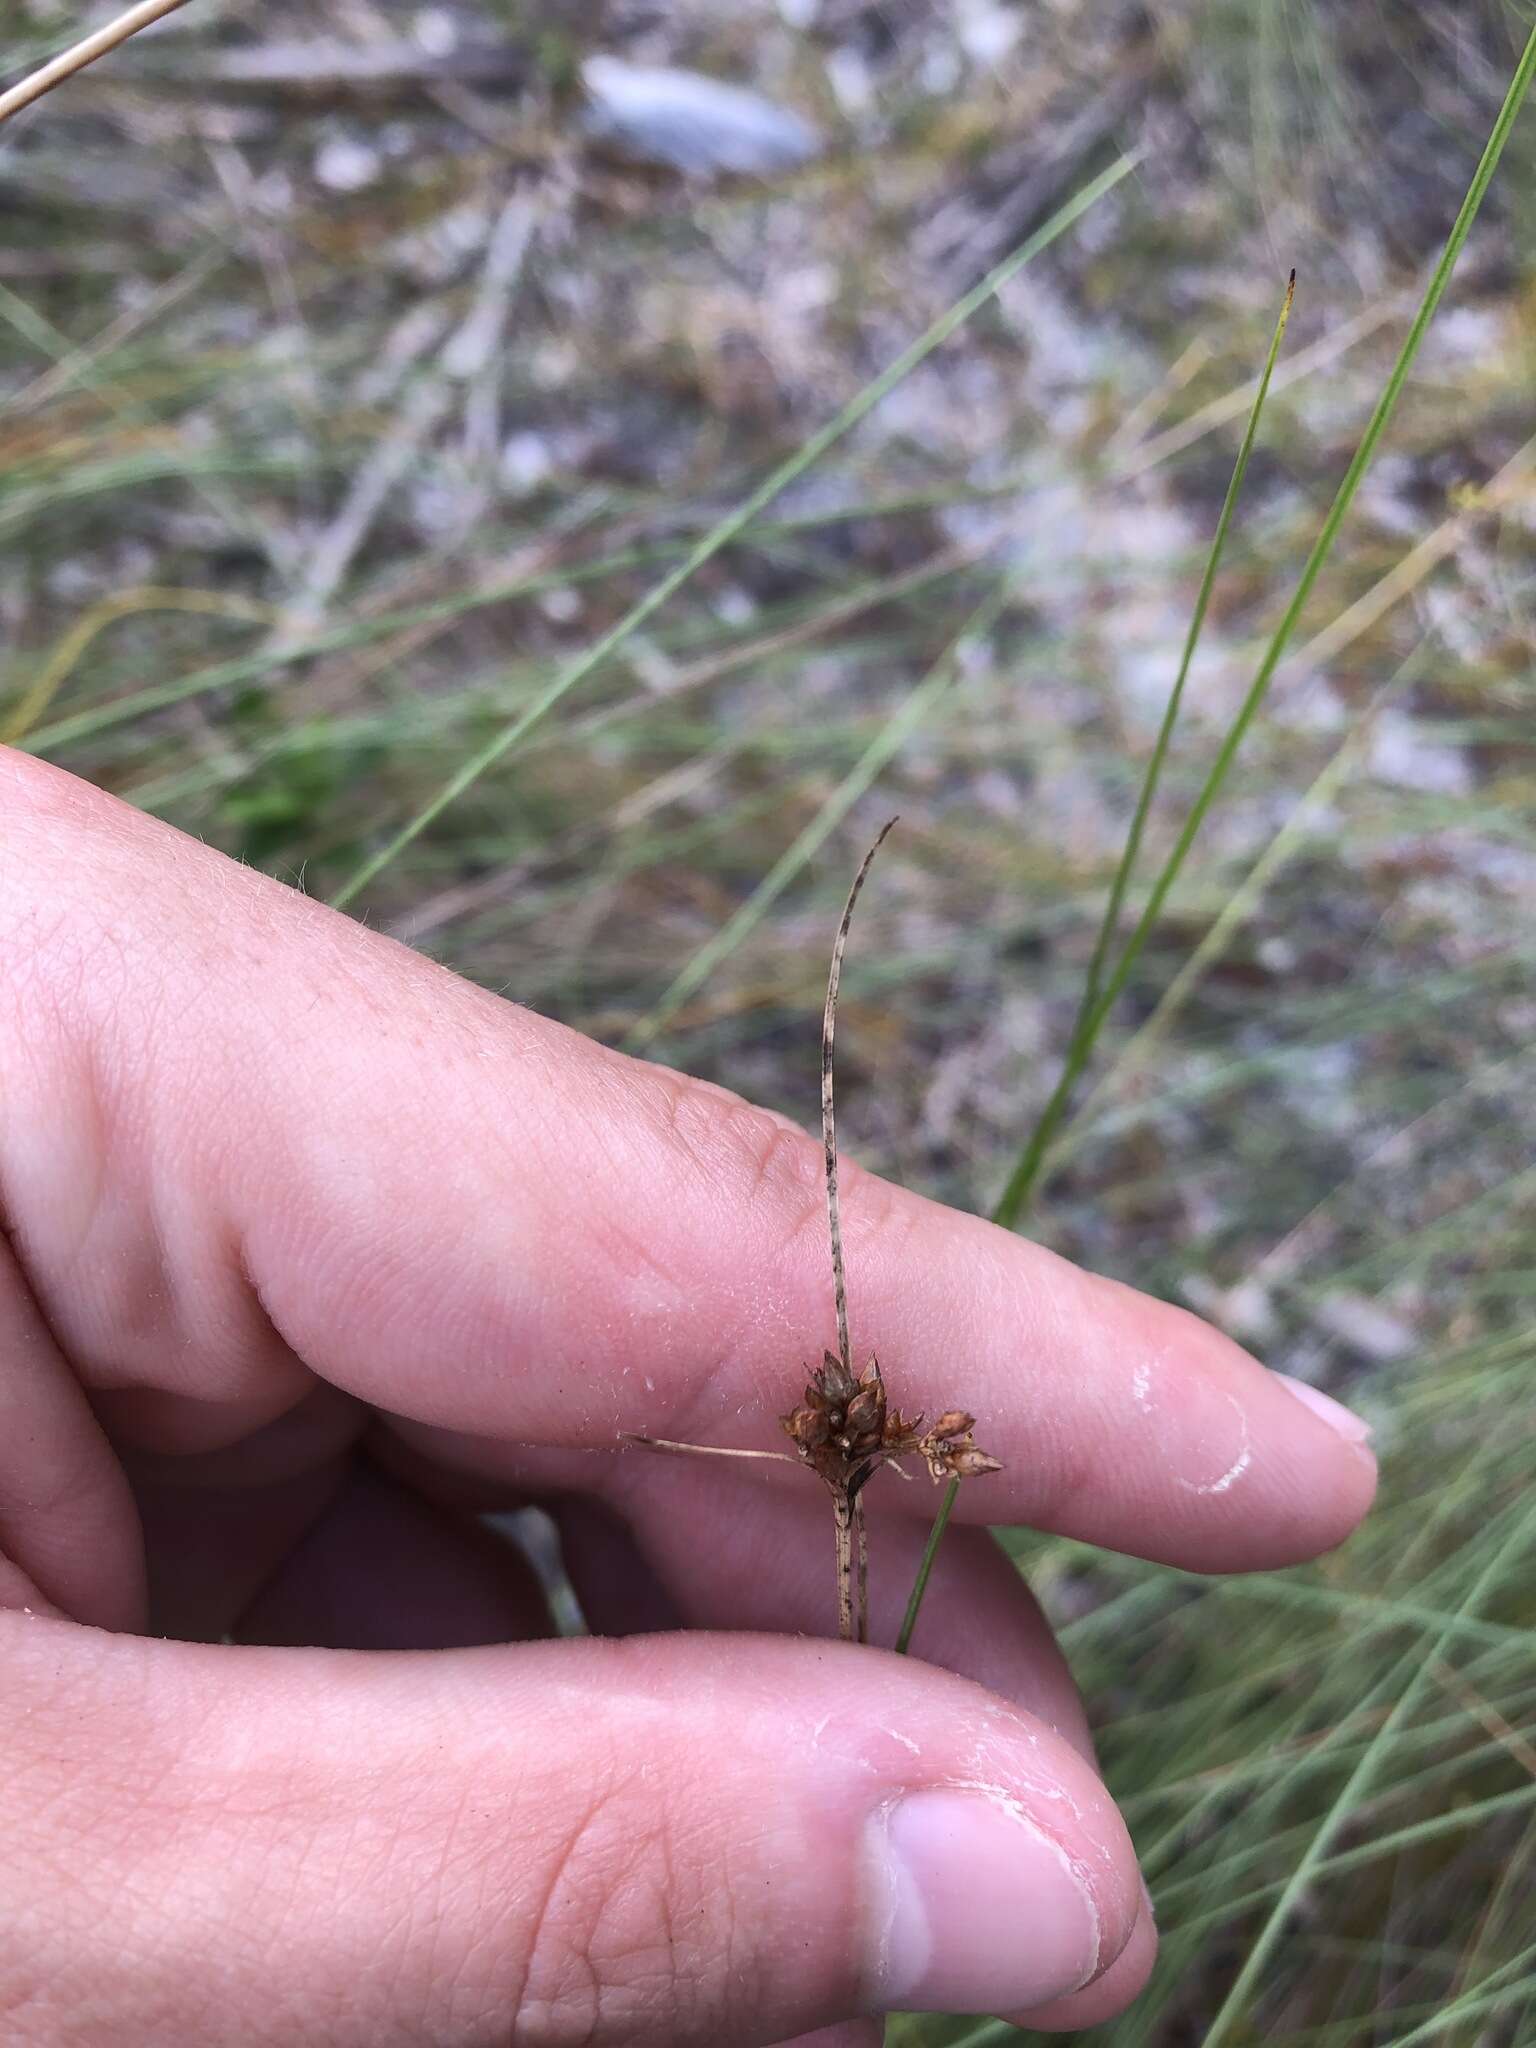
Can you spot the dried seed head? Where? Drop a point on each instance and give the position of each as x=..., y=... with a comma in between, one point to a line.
x=951, y=1451
x=845, y=1432
x=833, y=1379
x=903, y=1433
x=839, y=1428
x=963, y=1461
x=955, y=1422
x=808, y=1427
x=864, y=1416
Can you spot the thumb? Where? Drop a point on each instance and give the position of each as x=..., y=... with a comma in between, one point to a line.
x=664, y=1840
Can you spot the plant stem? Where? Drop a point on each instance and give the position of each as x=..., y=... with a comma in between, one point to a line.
x=829, y=1106
x=861, y=1532
x=931, y=1551
x=842, y=1526
x=1153, y=776
x=86, y=51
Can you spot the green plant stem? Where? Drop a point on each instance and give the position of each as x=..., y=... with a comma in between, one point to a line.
x=931, y=1551
x=1111, y=918
x=1022, y=1181
x=725, y=530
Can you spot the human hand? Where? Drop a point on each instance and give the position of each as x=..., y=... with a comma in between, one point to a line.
x=311, y=1251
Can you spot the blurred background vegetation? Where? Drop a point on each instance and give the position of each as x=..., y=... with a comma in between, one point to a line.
x=355, y=378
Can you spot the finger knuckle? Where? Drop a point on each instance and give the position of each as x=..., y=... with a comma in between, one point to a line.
x=626, y=1932
x=762, y=1159
x=733, y=1143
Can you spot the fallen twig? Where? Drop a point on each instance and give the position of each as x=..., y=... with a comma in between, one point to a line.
x=86, y=51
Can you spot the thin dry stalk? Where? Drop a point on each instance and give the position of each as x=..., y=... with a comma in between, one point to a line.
x=828, y=1107
x=86, y=51
x=661, y=1443
x=861, y=1532
x=842, y=1530
x=844, y=1428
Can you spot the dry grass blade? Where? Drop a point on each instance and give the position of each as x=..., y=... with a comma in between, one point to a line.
x=85, y=52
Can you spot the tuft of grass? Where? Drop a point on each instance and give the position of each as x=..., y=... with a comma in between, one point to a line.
x=1022, y=1181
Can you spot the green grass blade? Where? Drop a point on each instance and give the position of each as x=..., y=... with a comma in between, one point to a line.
x=280, y=657
x=1471, y=2004
x=1110, y=922
x=1022, y=1182
x=930, y=1552
x=725, y=530
x=1293, y=835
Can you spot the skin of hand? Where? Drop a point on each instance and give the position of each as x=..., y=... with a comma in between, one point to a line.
x=311, y=1253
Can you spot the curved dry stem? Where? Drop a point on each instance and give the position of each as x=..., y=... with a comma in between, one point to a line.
x=828, y=1110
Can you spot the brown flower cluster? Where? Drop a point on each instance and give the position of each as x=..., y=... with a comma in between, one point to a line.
x=845, y=1432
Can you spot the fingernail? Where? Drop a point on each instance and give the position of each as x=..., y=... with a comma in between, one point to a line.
x=973, y=1908
x=1326, y=1409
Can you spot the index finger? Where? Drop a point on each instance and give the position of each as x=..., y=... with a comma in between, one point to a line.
x=249, y=1141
